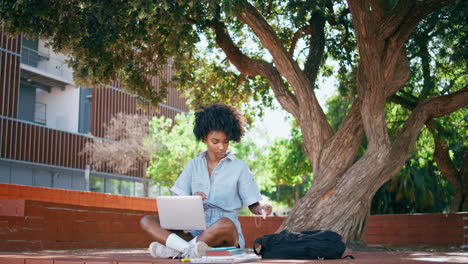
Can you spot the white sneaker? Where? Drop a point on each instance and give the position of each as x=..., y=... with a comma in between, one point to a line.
x=158, y=250
x=195, y=250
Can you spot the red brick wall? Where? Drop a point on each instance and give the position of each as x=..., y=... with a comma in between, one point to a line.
x=417, y=229
x=396, y=230
x=254, y=227
x=37, y=225
x=35, y=218
x=22, y=192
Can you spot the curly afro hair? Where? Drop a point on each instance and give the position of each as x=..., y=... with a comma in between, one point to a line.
x=219, y=117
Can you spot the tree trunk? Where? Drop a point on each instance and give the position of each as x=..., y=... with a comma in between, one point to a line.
x=464, y=176
x=464, y=204
x=296, y=193
x=340, y=207
x=460, y=202
x=458, y=177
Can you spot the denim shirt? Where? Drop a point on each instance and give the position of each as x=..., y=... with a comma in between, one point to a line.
x=230, y=186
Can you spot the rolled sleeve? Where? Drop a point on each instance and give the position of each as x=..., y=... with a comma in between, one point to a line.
x=183, y=184
x=248, y=188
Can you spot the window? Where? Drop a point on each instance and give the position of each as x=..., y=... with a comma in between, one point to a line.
x=96, y=184
x=127, y=188
x=139, y=189
x=112, y=186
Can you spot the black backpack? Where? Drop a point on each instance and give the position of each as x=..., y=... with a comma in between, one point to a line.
x=314, y=244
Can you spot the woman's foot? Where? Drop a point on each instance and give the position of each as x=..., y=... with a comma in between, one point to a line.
x=158, y=250
x=196, y=250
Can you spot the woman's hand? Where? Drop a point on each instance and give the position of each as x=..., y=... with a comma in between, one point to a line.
x=202, y=194
x=266, y=207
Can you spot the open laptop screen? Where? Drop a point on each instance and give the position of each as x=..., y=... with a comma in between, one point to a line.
x=181, y=212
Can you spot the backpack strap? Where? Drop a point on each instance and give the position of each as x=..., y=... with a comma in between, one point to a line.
x=255, y=251
x=257, y=241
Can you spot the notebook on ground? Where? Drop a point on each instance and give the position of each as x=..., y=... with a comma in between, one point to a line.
x=181, y=212
x=245, y=257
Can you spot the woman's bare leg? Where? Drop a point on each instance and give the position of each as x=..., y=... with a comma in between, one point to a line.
x=223, y=233
x=150, y=224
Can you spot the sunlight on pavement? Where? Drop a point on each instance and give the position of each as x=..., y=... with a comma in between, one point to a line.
x=452, y=257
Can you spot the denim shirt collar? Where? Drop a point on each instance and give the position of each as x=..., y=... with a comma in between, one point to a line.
x=229, y=155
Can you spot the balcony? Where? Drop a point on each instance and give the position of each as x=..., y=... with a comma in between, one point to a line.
x=40, y=113
x=48, y=69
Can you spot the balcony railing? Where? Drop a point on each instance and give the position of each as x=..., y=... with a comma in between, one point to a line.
x=40, y=113
x=46, y=63
x=31, y=142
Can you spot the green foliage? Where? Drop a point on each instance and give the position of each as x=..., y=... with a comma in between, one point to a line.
x=133, y=40
x=178, y=146
x=342, y=48
x=289, y=169
x=438, y=63
x=438, y=54
x=206, y=81
x=418, y=188
x=292, y=165
x=337, y=109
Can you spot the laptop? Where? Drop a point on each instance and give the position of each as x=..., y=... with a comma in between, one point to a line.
x=181, y=212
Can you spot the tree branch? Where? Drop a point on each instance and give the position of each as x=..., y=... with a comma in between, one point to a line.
x=331, y=20
x=408, y=104
x=442, y=156
x=347, y=140
x=310, y=113
x=297, y=35
x=379, y=8
x=430, y=108
x=361, y=16
x=316, y=46
x=456, y=177
x=396, y=70
x=402, y=27
x=392, y=21
x=254, y=67
x=284, y=63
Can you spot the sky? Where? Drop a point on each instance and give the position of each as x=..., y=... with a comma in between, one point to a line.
x=274, y=122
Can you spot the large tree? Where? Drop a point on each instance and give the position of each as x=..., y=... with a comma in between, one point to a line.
x=133, y=38
x=438, y=60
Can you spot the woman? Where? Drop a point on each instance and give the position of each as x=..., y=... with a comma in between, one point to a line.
x=224, y=182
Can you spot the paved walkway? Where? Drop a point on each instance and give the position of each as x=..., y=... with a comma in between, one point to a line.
x=140, y=256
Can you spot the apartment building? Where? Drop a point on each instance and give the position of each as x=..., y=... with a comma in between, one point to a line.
x=46, y=119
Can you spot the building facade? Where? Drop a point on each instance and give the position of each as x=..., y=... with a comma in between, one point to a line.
x=46, y=119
